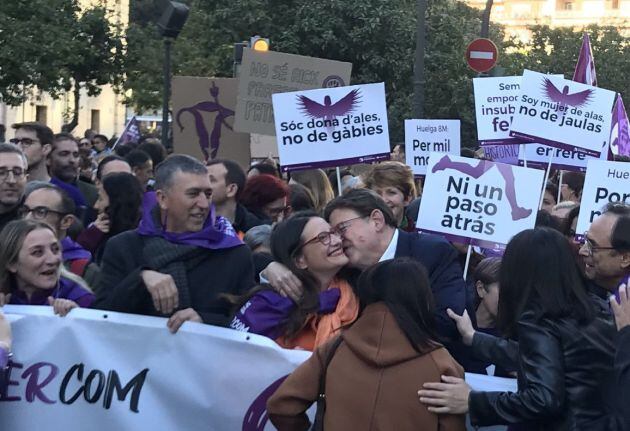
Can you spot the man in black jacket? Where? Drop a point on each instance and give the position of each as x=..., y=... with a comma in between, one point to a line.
x=12, y=182
x=227, y=180
x=181, y=258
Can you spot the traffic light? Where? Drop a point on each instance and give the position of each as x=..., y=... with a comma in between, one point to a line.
x=258, y=43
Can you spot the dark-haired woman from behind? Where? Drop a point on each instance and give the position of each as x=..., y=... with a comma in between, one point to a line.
x=119, y=207
x=565, y=349
x=306, y=245
x=373, y=372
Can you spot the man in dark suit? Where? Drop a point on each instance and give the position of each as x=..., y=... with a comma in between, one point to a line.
x=369, y=233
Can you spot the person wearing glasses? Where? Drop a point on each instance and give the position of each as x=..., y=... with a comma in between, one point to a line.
x=12, y=182
x=35, y=140
x=313, y=252
x=50, y=204
x=267, y=197
x=606, y=248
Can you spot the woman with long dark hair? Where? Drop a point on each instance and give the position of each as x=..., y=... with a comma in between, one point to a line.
x=565, y=349
x=306, y=245
x=374, y=370
x=119, y=207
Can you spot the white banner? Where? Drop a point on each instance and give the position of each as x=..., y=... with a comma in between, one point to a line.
x=486, y=202
x=100, y=371
x=423, y=137
x=331, y=127
x=563, y=113
x=605, y=182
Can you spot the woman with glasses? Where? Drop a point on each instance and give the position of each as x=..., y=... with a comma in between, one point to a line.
x=565, y=353
x=266, y=197
x=31, y=271
x=306, y=245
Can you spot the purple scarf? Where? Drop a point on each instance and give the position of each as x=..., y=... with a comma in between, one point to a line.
x=66, y=289
x=267, y=311
x=72, y=190
x=217, y=232
x=73, y=251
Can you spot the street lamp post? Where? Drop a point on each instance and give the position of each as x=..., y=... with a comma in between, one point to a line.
x=418, y=70
x=168, y=43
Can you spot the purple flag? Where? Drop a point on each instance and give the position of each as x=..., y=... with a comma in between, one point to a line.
x=619, y=135
x=130, y=134
x=585, y=67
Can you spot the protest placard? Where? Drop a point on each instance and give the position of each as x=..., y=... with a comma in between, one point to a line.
x=423, y=137
x=332, y=127
x=563, y=113
x=495, y=105
x=539, y=155
x=203, y=119
x=605, y=182
x=507, y=153
x=477, y=201
x=265, y=73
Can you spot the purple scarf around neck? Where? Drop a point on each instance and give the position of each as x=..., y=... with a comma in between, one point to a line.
x=71, y=250
x=217, y=232
x=72, y=190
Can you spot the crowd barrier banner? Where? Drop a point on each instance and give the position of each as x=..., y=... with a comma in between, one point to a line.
x=331, y=127
x=263, y=73
x=424, y=137
x=478, y=202
x=100, y=371
x=605, y=182
x=562, y=113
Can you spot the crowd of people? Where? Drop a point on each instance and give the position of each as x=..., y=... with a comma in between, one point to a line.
x=333, y=267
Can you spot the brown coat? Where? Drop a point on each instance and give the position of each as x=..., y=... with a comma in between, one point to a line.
x=372, y=382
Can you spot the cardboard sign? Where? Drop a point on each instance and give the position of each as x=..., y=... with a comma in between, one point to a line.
x=478, y=202
x=263, y=146
x=538, y=155
x=605, y=182
x=203, y=119
x=423, y=137
x=563, y=113
x=265, y=73
x=331, y=127
x=502, y=153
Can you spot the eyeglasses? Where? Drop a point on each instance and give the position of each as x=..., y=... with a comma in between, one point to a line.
x=342, y=227
x=590, y=248
x=24, y=142
x=39, y=213
x=324, y=238
x=273, y=212
x=18, y=173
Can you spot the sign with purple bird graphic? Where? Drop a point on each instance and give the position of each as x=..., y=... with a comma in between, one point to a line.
x=562, y=113
x=203, y=119
x=331, y=127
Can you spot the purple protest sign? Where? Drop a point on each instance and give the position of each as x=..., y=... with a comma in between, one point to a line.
x=130, y=134
x=507, y=154
x=620, y=134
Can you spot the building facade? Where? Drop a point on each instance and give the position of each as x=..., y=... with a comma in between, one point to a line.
x=517, y=15
x=104, y=113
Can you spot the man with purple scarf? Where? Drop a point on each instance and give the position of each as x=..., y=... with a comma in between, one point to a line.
x=63, y=166
x=182, y=257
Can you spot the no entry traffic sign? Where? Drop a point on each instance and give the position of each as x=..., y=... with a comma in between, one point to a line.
x=481, y=55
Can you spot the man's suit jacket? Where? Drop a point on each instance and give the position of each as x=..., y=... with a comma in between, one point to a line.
x=445, y=274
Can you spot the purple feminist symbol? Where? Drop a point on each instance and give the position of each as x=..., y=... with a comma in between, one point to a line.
x=213, y=141
x=256, y=417
x=563, y=98
x=482, y=167
x=328, y=111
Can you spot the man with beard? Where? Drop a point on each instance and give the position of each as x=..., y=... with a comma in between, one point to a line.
x=63, y=165
x=35, y=140
x=181, y=259
x=12, y=181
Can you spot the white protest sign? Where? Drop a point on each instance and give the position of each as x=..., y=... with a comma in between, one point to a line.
x=96, y=370
x=605, y=182
x=502, y=153
x=478, y=201
x=423, y=137
x=495, y=104
x=263, y=73
x=538, y=156
x=331, y=127
x=563, y=113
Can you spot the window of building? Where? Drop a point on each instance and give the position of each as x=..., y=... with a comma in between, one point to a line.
x=41, y=114
x=615, y=4
x=95, y=120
